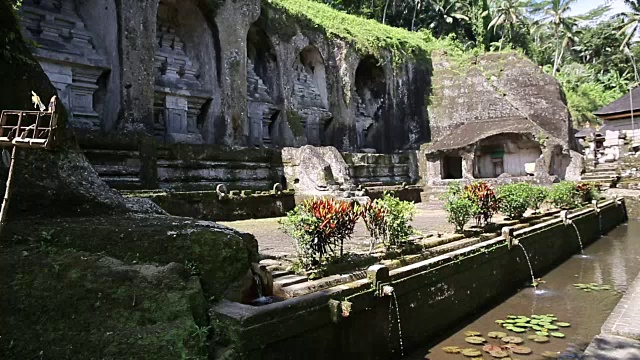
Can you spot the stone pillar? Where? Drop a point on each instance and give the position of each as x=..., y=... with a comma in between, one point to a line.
x=468, y=157
x=233, y=19
x=137, y=36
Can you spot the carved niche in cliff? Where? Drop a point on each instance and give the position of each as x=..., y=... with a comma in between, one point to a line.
x=69, y=56
x=310, y=93
x=370, y=88
x=182, y=93
x=262, y=87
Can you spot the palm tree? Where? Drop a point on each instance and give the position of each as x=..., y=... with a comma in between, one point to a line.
x=555, y=14
x=506, y=14
x=631, y=21
x=445, y=13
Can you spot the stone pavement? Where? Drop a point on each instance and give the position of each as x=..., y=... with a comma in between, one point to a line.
x=620, y=335
x=273, y=242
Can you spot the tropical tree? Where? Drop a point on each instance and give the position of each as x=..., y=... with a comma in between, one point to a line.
x=631, y=21
x=506, y=15
x=555, y=14
x=447, y=15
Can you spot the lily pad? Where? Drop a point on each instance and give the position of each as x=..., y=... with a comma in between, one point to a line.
x=496, y=334
x=512, y=340
x=451, y=349
x=499, y=354
x=499, y=322
x=471, y=352
x=550, y=355
x=563, y=324
x=538, y=338
x=520, y=350
x=475, y=340
x=489, y=348
x=551, y=327
x=557, y=334
x=542, y=333
x=537, y=328
x=472, y=333
x=518, y=329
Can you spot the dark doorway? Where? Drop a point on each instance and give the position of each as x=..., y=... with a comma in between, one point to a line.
x=452, y=167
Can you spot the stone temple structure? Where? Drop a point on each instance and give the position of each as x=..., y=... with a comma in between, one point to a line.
x=190, y=94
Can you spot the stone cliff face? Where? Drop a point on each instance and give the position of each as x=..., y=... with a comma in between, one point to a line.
x=241, y=73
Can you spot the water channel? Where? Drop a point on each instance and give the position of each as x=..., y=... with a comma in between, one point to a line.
x=612, y=260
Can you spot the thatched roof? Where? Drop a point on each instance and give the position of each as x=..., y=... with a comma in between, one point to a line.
x=622, y=105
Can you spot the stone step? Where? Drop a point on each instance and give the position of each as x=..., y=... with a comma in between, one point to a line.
x=289, y=280
x=602, y=173
x=280, y=273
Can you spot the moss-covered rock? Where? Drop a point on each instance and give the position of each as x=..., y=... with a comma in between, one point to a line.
x=219, y=255
x=75, y=305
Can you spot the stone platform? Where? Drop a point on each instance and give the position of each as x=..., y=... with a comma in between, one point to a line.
x=620, y=334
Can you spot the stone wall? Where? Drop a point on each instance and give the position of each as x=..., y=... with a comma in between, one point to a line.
x=490, y=270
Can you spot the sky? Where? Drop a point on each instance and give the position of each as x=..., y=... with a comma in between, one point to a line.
x=582, y=6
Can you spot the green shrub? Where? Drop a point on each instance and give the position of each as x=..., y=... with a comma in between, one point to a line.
x=514, y=199
x=537, y=197
x=459, y=206
x=564, y=195
x=388, y=220
x=460, y=209
x=320, y=227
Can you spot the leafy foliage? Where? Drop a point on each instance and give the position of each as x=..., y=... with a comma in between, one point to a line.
x=459, y=207
x=388, y=220
x=514, y=199
x=320, y=227
x=537, y=196
x=564, y=195
x=485, y=199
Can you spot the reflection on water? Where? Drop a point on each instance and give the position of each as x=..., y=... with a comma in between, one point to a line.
x=614, y=260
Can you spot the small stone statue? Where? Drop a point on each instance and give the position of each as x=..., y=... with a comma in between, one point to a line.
x=52, y=104
x=35, y=99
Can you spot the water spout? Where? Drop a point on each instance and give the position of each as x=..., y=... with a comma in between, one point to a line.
x=258, y=282
x=579, y=237
x=388, y=290
x=391, y=305
x=526, y=256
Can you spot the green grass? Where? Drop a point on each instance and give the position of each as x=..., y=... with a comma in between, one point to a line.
x=366, y=35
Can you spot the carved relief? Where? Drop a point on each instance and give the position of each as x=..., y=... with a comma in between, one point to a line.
x=68, y=54
x=179, y=94
x=310, y=93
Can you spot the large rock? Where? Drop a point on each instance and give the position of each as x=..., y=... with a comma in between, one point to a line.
x=315, y=170
x=61, y=304
x=219, y=255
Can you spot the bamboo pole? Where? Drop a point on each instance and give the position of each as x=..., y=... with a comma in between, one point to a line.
x=7, y=191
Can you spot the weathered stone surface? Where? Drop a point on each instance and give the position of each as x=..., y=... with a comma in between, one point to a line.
x=62, y=304
x=315, y=170
x=218, y=254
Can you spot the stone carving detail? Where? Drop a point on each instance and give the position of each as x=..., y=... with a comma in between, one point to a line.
x=364, y=120
x=67, y=53
x=179, y=95
x=309, y=102
x=262, y=108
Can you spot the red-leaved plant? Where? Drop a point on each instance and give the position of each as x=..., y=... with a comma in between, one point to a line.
x=485, y=198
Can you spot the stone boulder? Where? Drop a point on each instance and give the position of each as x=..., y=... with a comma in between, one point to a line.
x=62, y=304
x=217, y=254
x=315, y=170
